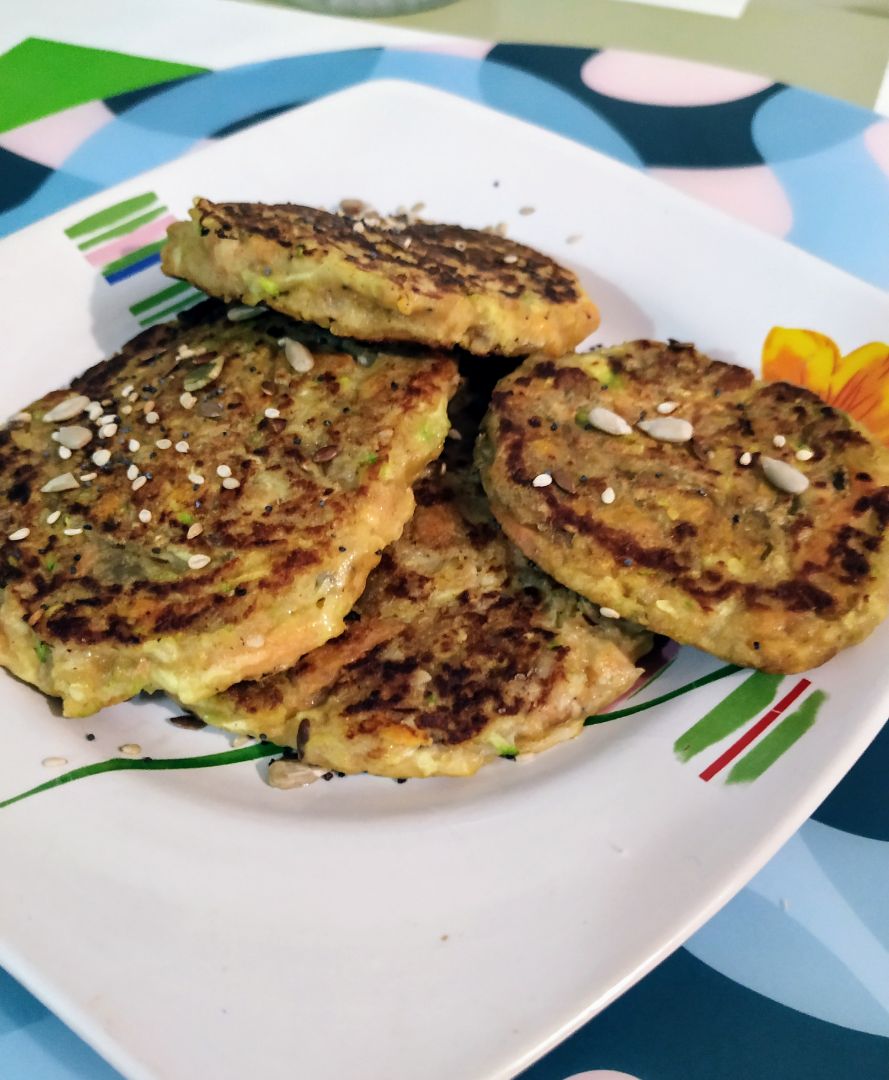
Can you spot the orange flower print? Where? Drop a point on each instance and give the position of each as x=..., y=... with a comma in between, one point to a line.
x=857, y=383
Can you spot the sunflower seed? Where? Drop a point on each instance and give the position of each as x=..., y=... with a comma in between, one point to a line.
x=298, y=356
x=62, y=482
x=241, y=312
x=669, y=429
x=608, y=421
x=75, y=437
x=67, y=409
x=783, y=476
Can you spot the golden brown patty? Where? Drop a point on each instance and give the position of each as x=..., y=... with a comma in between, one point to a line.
x=697, y=543
x=459, y=651
x=221, y=517
x=378, y=280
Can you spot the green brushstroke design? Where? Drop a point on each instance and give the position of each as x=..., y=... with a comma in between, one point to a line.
x=122, y=230
x=714, y=676
x=133, y=257
x=205, y=761
x=754, y=694
x=111, y=215
x=767, y=751
x=159, y=316
x=159, y=297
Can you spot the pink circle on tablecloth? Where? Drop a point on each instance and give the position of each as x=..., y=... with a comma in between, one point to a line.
x=876, y=139
x=601, y=1074
x=665, y=80
x=472, y=48
x=752, y=193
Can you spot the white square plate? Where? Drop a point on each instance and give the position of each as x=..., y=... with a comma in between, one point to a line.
x=202, y=924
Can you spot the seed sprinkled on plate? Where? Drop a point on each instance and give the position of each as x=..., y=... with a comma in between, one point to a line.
x=132, y=472
x=609, y=613
x=285, y=774
x=52, y=518
x=783, y=476
x=272, y=414
x=63, y=482
x=610, y=422
x=230, y=483
x=195, y=478
x=542, y=480
x=64, y=453
x=804, y=454
x=298, y=356
x=163, y=444
x=241, y=740
x=778, y=441
x=223, y=470
x=54, y=762
x=67, y=409
x=101, y=457
x=151, y=417
x=193, y=531
x=187, y=400
x=669, y=429
x=130, y=749
x=198, y=562
x=73, y=531
x=145, y=516
x=745, y=458
x=240, y=312
x=667, y=407
x=133, y=445
x=107, y=431
x=139, y=482
x=608, y=496
x=19, y=534
x=573, y=238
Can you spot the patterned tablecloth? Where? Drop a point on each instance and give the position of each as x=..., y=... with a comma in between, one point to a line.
x=791, y=979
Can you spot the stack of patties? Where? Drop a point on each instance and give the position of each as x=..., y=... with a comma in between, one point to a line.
x=204, y=512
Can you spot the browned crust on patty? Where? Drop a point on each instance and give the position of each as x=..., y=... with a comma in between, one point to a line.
x=377, y=279
x=695, y=545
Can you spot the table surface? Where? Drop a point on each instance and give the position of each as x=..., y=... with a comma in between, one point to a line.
x=791, y=979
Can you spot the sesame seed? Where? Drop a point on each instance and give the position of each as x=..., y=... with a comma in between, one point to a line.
x=101, y=457
x=145, y=516
x=608, y=496
x=255, y=641
x=130, y=749
x=609, y=613
x=108, y=418
x=223, y=470
x=139, y=482
x=666, y=407
x=193, y=531
x=87, y=476
x=19, y=534
x=54, y=762
x=195, y=478
x=107, y=431
x=95, y=410
x=52, y=518
x=745, y=458
x=542, y=480
x=127, y=390
x=779, y=441
x=181, y=447
x=149, y=405
x=187, y=400
x=151, y=417
x=73, y=532
x=240, y=312
x=126, y=410
x=510, y=259
x=163, y=444
x=132, y=472
x=358, y=227
x=231, y=483
x=805, y=454
x=198, y=562
x=272, y=414
x=64, y=453
x=133, y=445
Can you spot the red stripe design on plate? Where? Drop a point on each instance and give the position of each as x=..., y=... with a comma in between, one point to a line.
x=753, y=733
